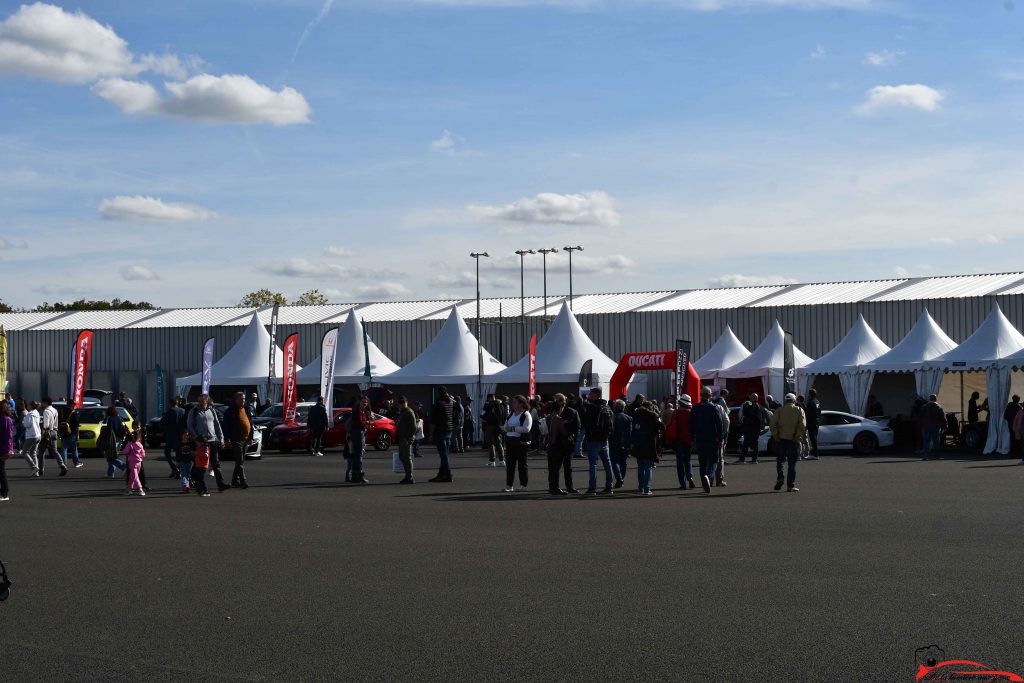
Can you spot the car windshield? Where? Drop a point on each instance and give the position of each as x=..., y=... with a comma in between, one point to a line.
x=272, y=411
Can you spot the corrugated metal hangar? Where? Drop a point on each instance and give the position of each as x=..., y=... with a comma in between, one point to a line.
x=129, y=344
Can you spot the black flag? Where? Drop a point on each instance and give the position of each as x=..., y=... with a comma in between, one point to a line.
x=682, y=365
x=788, y=365
x=586, y=378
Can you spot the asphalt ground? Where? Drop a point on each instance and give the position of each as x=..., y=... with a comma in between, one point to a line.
x=302, y=577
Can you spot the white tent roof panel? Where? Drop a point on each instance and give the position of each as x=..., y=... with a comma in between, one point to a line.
x=450, y=358
x=350, y=359
x=860, y=345
x=925, y=341
x=724, y=353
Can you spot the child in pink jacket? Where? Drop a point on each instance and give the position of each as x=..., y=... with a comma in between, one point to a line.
x=134, y=454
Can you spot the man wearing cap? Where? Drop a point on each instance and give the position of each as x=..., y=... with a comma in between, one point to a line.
x=682, y=443
x=788, y=425
x=722, y=401
x=707, y=434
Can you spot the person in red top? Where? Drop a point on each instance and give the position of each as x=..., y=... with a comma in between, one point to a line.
x=679, y=427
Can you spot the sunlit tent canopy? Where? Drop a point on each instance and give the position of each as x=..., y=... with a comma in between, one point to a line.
x=246, y=364
x=350, y=361
x=926, y=341
x=724, y=353
x=995, y=340
x=451, y=358
x=766, y=362
x=561, y=352
x=847, y=360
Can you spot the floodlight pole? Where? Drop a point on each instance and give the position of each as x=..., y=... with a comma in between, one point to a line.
x=570, y=250
x=479, y=345
x=544, y=253
x=522, y=290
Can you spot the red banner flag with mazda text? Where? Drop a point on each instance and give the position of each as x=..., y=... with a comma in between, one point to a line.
x=533, y=366
x=291, y=352
x=80, y=366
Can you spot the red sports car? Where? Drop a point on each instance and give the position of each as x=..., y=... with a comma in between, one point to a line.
x=288, y=438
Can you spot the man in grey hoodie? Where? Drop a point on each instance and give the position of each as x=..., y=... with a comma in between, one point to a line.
x=203, y=421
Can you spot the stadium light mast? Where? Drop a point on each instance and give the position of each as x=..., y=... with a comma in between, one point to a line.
x=544, y=254
x=570, y=250
x=522, y=290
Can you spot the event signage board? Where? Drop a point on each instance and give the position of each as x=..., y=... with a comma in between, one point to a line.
x=682, y=365
x=328, y=356
x=533, y=366
x=586, y=378
x=159, y=390
x=80, y=366
x=273, y=350
x=291, y=351
x=788, y=364
x=208, y=348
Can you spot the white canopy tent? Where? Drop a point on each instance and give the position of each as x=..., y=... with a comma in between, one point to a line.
x=247, y=363
x=995, y=340
x=350, y=362
x=926, y=341
x=561, y=352
x=766, y=362
x=724, y=353
x=860, y=346
x=451, y=358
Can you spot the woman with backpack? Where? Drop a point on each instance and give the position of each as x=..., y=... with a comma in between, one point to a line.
x=517, y=442
x=6, y=446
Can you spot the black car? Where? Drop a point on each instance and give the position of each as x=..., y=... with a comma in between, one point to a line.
x=274, y=415
x=155, y=427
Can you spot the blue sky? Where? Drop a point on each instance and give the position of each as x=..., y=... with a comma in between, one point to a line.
x=188, y=152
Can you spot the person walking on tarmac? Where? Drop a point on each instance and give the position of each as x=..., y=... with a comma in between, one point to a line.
x=317, y=423
x=788, y=425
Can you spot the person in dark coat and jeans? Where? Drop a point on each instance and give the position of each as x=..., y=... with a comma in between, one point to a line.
x=442, y=419
x=317, y=423
x=647, y=430
x=812, y=411
x=1009, y=415
x=458, y=419
x=405, y=433
x=171, y=423
x=621, y=441
x=708, y=435
x=933, y=420
x=238, y=434
x=563, y=426
x=754, y=419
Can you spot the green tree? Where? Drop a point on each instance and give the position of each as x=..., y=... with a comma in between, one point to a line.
x=4, y=308
x=262, y=297
x=94, y=305
x=311, y=298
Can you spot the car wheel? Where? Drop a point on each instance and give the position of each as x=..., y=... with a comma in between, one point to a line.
x=382, y=442
x=865, y=443
x=972, y=437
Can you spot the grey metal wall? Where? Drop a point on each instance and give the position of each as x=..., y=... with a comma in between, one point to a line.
x=39, y=360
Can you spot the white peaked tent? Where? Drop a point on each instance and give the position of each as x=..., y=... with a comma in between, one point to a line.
x=247, y=363
x=766, y=362
x=350, y=362
x=451, y=358
x=561, y=352
x=724, y=353
x=994, y=340
x=926, y=341
x=860, y=346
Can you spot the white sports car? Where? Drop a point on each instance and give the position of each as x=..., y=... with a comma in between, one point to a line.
x=843, y=431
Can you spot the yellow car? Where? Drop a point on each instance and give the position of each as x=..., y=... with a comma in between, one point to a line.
x=90, y=419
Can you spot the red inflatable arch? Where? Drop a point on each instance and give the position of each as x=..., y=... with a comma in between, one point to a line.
x=649, y=360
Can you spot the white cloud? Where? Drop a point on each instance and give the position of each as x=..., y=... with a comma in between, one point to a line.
x=883, y=57
x=463, y=279
x=171, y=65
x=738, y=280
x=44, y=41
x=447, y=143
x=587, y=208
x=151, y=209
x=231, y=98
x=900, y=271
x=383, y=290
x=339, y=252
x=559, y=263
x=819, y=52
x=914, y=96
x=6, y=244
x=943, y=241
x=694, y=5
x=989, y=239
x=300, y=267
x=325, y=9
x=136, y=272
x=52, y=289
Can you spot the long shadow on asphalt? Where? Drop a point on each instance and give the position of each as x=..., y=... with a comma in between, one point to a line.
x=489, y=497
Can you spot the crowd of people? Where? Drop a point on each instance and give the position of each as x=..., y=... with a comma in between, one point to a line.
x=606, y=434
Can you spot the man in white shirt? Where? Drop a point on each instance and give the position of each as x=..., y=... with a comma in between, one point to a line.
x=31, y=444
x=48, y=437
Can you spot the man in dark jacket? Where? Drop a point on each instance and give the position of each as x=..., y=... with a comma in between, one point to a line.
x=171, y=422
x=317, y=423
x=458, y=418
x=238, y=433
x=812, y=411
x=753, y=418
x=490, y=416
x=1009, y=415
x=598, y=424
x=442, y=419
x=708, y=436
x=621, y=442
x=405, y=433
x=933, y=420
